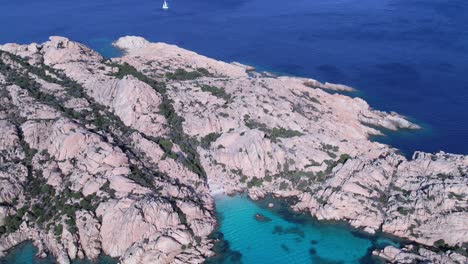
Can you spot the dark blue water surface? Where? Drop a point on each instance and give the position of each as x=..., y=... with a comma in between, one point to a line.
x=410, y=56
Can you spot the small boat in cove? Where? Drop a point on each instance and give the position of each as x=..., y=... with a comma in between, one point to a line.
x=165, y=6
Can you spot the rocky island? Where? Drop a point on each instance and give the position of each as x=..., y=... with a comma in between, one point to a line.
x=122, y=156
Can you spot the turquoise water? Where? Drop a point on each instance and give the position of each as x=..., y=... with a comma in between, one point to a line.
x=25, y=253
x=408, y=56
x=281, y=237
x=285, y=237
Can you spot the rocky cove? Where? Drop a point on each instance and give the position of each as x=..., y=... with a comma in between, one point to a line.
x=284, y=236
x=241, y=238
x=293, y=237
x=123, y=156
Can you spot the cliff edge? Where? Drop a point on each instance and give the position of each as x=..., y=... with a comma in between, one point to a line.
x=122, y=156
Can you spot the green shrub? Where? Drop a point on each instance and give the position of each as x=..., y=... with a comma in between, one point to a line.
x=243, y=179
x=216, y=91
x=274, y=133
x=343, y=158
x=208, y=139
x=313, y=163
x=71, y=224
x=204, y=72
x=405, y=211
x=257, y=182
x=283, y=133
x=12, y=222
x=440, y=243
x=166, y=144
x=46, y=189
x=183, y=75
x=37, y=211
x=106, y=188
x=283, y=186
x=86, y=204
x=302, y=185
x=58, y=230
x=140, y=177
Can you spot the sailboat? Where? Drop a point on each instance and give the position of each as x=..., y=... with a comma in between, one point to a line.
x=165, y=6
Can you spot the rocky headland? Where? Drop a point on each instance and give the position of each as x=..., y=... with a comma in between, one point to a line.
x=122, y=156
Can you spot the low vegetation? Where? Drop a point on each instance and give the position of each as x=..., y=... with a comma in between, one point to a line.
x=274, y=133
x=216, y=91
x=183, y=75
x=255, y=182
x=55, y=210
x=188, y=145
x=206, y=141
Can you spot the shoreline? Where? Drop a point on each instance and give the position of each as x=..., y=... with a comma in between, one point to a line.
x=171, y=123
x=282, y=209
x=29, y=247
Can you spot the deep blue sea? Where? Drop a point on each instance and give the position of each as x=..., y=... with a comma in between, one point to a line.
x=408, y=56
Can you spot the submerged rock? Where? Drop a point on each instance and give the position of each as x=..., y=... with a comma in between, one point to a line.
x=262, y=218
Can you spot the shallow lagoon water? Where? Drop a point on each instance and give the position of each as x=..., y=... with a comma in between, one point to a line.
x=282, y=237
x=408, y=56
x=286, y=237
x=25, y=253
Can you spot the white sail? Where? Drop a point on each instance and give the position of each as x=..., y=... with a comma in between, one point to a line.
x=165, y=5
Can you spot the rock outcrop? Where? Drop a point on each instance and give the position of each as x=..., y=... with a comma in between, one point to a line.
x=422, y=200
x=89, y=167
x=129, y=151
x=412, y=254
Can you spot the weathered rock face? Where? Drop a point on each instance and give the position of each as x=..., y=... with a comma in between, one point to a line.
x=89, y=168
x=129, y=151
x=411, y=254
x=139, y=219
x=428, y=200
x=278, y=135
x=354, y=192
x=423, y=199
x=132, y=43
x=89, y=232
